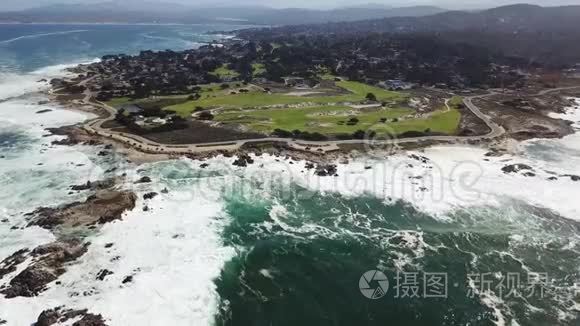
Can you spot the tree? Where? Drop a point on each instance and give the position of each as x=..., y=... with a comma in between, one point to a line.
x=371, y=97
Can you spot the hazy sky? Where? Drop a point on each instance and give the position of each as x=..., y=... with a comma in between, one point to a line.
x=467, y=4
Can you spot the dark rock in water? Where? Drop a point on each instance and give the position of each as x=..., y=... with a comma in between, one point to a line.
x=529, y=174
x=102, y=274
x=43, y=111
x=150, y=195
x=309, y=166
x=324, y=170
x=552, y=179
x=203, y=165
x=165, y=191
x=572, y=177
x=243, y=160
x=9, y=264
x=108, y=147
x=4, y=220
x=144, y=180
x=421, y=159
x=49, y=265
x=103, y=153
x=60, y=315
x=103, y=207
x=97, y=185
x=127, y=279
x=2, y=321
x=145, y=208
x=513, y=168
x=109, y=245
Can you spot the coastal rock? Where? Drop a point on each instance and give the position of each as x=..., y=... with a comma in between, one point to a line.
x=48, y=264
x=150, y=195
x=96, y=185
x=324, y=170
x=43, y=111
x=144, y=179
x=243, y=160
x=102, y=274
x=421, y=159
x=61, y=315
x=101, y=208
x=9, y=264
x=572, y=177
x=514, y=168
x=127, y=279
x=203, y=165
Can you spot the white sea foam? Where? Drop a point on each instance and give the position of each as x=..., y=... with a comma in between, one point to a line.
x=173, y=252
x=31, y=36
x=13, y=85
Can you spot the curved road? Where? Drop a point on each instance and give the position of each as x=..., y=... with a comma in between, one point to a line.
x=149, y=146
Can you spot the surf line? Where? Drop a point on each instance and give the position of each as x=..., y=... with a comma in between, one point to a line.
x=41, y=35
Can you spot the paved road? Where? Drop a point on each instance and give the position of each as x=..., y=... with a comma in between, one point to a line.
x=147, y=145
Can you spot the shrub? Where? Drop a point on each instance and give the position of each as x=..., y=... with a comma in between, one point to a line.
x=371, y=97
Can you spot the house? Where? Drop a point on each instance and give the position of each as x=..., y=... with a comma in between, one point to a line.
x=396, y=84
x=294, y=81
x=573, y=72
x=131, y=109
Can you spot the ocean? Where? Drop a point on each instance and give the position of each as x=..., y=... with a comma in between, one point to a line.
x=435, y=237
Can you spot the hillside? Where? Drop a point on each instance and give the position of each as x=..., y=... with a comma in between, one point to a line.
x=545, y=34
x=154, y=13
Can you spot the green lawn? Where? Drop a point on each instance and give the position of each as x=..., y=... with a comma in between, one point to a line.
x=357, y=92
x=323, y=114
x=323, y=119
x=225, y=72
x=258, y=69
x=118, y=101
x=334, y=121
x=154, y=101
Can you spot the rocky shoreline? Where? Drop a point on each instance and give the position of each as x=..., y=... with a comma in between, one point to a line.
x=46, y=263
x=106, y=203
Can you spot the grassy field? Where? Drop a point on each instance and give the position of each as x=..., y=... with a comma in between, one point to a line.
x=326, y=114
x=155, y=101
x=258, y=69
x=255, y=98
x=225, y=72
x=332, y=120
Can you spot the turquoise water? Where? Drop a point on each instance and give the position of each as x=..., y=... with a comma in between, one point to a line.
x=298, y=253
x=301, y=264
x=24, y=48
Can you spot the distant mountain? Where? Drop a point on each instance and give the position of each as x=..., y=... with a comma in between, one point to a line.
x=507, y=19
x=547, y=34
x=148, y=12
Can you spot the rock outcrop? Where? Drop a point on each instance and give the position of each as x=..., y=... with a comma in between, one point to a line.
x=48, y=264
x=60, y=315
x=103, y=207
